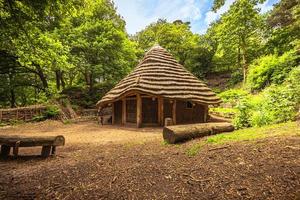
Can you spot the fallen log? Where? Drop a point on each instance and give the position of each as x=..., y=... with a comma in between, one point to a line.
x=179, y=133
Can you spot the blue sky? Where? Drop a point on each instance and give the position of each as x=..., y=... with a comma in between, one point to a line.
x=139, y=13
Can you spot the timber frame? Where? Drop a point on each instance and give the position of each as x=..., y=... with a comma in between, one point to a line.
x=120, y=115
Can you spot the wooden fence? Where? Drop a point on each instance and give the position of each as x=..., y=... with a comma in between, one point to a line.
x=22, y=113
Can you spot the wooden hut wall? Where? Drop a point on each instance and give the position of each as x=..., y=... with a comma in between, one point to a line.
x=131, y=110
x=149, y=110
x=167, y=109
x=186, y=115
x=118, y=112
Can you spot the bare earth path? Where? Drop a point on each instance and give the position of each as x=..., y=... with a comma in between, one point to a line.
x=117, y=163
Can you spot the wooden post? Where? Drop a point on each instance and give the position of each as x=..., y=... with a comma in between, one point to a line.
x=16, y=149
x=138, y=110
x=5, y=149
x=174, y=112
x=113, y=113
x=53, y=151
x=205, y=114
x=161, y=111
x=46, y=150
x=124, y=111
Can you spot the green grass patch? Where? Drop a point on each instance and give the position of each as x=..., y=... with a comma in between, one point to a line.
x=193, y=150
x=248, y=134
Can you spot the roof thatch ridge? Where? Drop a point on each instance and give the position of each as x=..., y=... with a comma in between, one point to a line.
x=161, y=70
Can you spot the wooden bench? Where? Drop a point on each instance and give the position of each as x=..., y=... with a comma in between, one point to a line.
x=48, y=143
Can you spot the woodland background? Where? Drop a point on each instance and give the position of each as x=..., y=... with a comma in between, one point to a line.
x=79, y=49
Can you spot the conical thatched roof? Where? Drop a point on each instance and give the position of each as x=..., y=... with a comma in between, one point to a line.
x=160, y=74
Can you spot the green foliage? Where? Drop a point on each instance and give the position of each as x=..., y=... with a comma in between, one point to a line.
x=224, y=112
x=60, y=44
x=38, y=118
x=270, y=69
x=275, y=104
x=238, y=33
x=52, y=111
x=233, y=95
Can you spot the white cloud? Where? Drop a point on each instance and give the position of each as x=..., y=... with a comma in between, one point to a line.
x=213, y=16
x=139, y=13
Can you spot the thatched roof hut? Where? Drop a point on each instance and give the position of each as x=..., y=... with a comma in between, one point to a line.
x=157, y=88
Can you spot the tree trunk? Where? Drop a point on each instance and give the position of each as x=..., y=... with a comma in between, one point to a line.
x=58, y=78
x=62, y=81
x=42, y=77
x=179, y=133
x=12, y=98
x=11, y=90
x=244, y=60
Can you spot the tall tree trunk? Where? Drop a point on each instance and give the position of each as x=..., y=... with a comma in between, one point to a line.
x=58, y=79
x=11, y=90
x=43, y=79
x=62, y=81
x=91, y=81
x=244, y=60
x=12, y=98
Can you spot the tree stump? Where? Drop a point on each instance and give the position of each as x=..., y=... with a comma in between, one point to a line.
x=168, y=121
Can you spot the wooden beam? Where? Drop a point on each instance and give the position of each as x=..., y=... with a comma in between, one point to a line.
x=123, y=111
x=174, y=112
x=113, y=113
x=205, y=114
x=160, y=111
x=138, y=110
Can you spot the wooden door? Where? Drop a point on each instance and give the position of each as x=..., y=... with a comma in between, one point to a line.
x=131, y=110
x=118, y=112
x=149, y=111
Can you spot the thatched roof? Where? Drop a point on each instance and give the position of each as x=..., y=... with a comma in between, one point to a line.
x=160, y=74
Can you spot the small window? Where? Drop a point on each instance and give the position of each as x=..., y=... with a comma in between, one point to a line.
x=189, y=105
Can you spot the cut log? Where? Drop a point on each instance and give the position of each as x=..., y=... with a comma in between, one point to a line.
x=179, y=133
x=25, y=141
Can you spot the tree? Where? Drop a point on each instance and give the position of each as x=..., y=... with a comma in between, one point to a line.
x=66, y=43
x=284, y=25
x=239, y=32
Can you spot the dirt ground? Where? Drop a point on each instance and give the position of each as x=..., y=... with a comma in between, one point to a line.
x=127, y=163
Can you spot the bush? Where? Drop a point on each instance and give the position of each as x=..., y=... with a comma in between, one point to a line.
x=233, y=96
x=274, y=105
x=270, y=69
x=52, y=111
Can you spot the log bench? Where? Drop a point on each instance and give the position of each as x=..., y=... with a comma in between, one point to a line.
x=48, y=143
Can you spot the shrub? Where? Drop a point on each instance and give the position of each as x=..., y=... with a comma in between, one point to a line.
x=233, y=95
x=52, y=111
x=270, y=69
x=274, y=105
